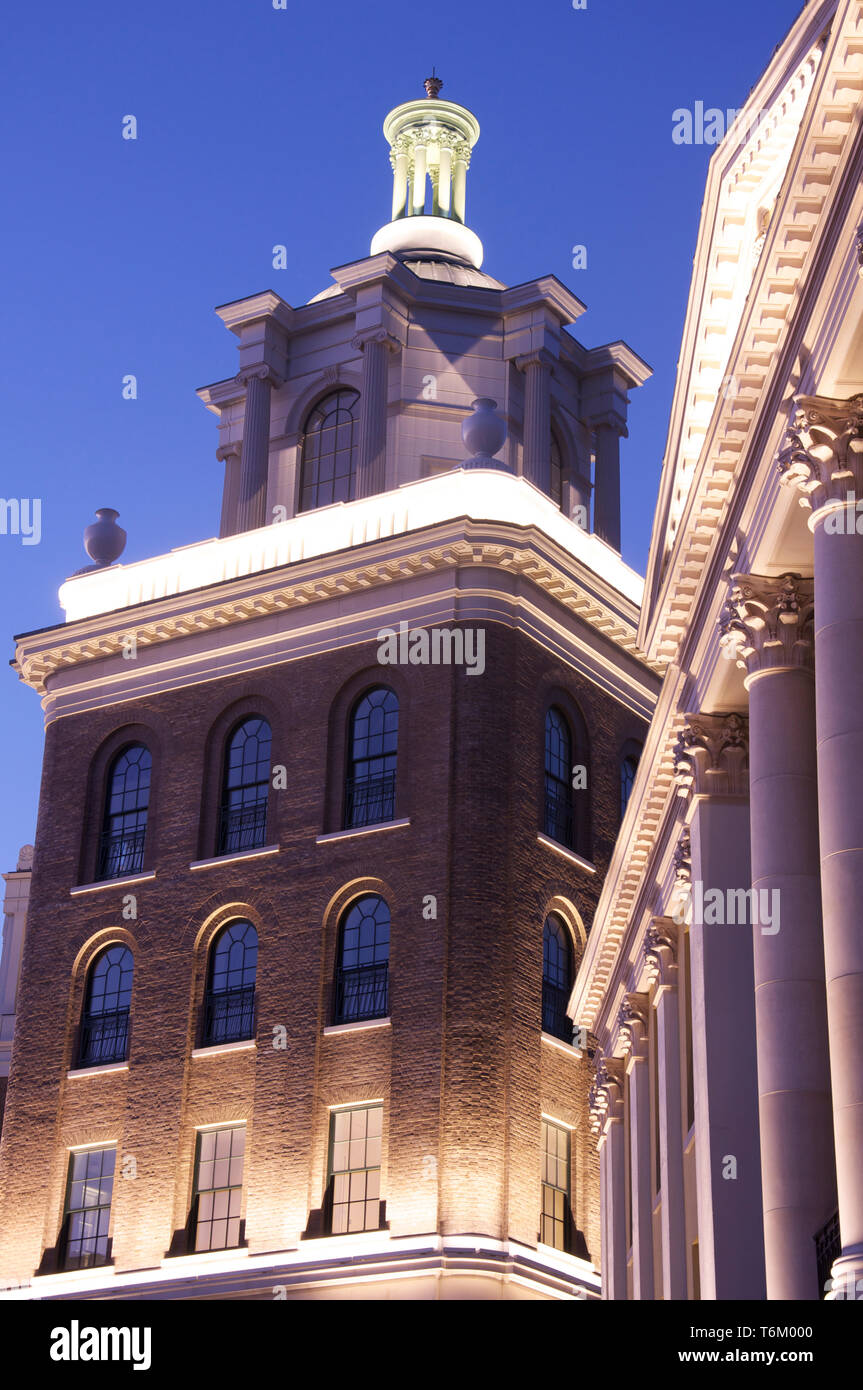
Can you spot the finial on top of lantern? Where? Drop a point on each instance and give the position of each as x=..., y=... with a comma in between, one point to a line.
x=432, y=85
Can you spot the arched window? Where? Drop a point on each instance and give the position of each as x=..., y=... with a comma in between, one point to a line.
x=556, y=481
x=329, y=460
x=229, y=1008
x=628, y=768
x=558, y=777
x=121, y=850
x=556, y=978
x=362, y=961
x=245, y=790
x=105, y=1021
x=370, y=792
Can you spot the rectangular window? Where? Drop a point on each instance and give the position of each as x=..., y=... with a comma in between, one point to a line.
x=554, y=1228
x=355, y=1169
x=88, y=1208
x=219, y=1187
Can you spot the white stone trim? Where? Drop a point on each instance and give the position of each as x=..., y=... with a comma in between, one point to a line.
x=232, y=858
x=362, y=830
x=102, y=884
x=96, y=1071
x=565, y=853
x=359, y=1027
x=244, y=1045
x=574, y=1052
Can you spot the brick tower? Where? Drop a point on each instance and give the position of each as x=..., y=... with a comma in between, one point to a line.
x=327, y=803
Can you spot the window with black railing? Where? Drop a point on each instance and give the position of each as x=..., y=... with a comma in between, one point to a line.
x=370, y=786
x=556, y=979
x=362, y=967
x=245, y=788
x=105, y=1020
x=558, y=775
x=229, y=1002
x=121, y=846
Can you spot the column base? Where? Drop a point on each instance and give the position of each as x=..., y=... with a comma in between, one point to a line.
x=846, y=1277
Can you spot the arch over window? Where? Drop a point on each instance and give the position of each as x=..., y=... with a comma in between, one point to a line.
x=121, y=849
x=329, y=456
x=105, y=1020
x=370, y=790
x=229, y=1007
x=556, y=978
x=628, y=767
x=245, y=787
x=362, y=961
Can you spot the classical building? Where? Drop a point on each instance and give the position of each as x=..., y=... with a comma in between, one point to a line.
x=328, y=803
x=723, y=975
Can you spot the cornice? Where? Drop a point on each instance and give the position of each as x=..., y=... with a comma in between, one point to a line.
x=824, y=141
x=517, y=551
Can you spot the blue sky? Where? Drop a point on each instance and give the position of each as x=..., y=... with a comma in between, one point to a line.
x=259, y=126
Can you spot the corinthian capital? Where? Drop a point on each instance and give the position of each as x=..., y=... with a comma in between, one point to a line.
x=710, y=756
x=822, y=454
x=260, y=372
x=606, y=1092
x=766, y=622
x=632, y=1024
x=660, y=951
x=360, y=341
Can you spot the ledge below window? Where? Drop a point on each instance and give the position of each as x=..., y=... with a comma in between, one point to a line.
x=112, y=883
x=358, y=1026
x=362, y=830
x=232, y=858
x=97, y=1071
x=244, y=1045
x=569, y=854
x=574, y=1052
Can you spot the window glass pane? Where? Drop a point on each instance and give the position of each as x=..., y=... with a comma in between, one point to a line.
x=355, y=1169
x=218, y=1187
x=330, y=451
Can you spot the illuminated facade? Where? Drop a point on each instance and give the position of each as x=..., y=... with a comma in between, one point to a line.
x=728, y=1100
x=305, y=919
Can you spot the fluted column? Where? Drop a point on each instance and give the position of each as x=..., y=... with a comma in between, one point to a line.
x=767, y=628
x=606, y=496
x=661, y=961
x=376, y=346
x=537, y=368
x=823, y=457
x=231, y=456
x=632, y=1038
x=606, y=1110
x=711, y=770
x=254, y=466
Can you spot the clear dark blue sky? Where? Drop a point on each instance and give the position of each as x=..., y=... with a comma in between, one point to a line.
x=259, y=126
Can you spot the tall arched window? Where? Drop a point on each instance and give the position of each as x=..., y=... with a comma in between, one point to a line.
x=556, y=978
x=246, y=786
x=558, y=777
x=362, y=961
x=329, y=458
x=121, y=850
x=229, y=1007
x=556, y=481
x=105, y=1020
x=628, y=768
x=370, y=791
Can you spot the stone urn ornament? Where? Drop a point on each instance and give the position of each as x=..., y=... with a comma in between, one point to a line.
x=483, y=433
x=104, y=540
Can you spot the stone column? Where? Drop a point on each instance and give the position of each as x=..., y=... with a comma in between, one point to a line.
x=823, y=457
x=254, y=467
x=711, y=770
x=632, y=1040
x=661, y=962
x=606, y=1109
x=767, y=629
x=375, y=345
x=606, y=496
x=231, y=455
x=537, y=367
